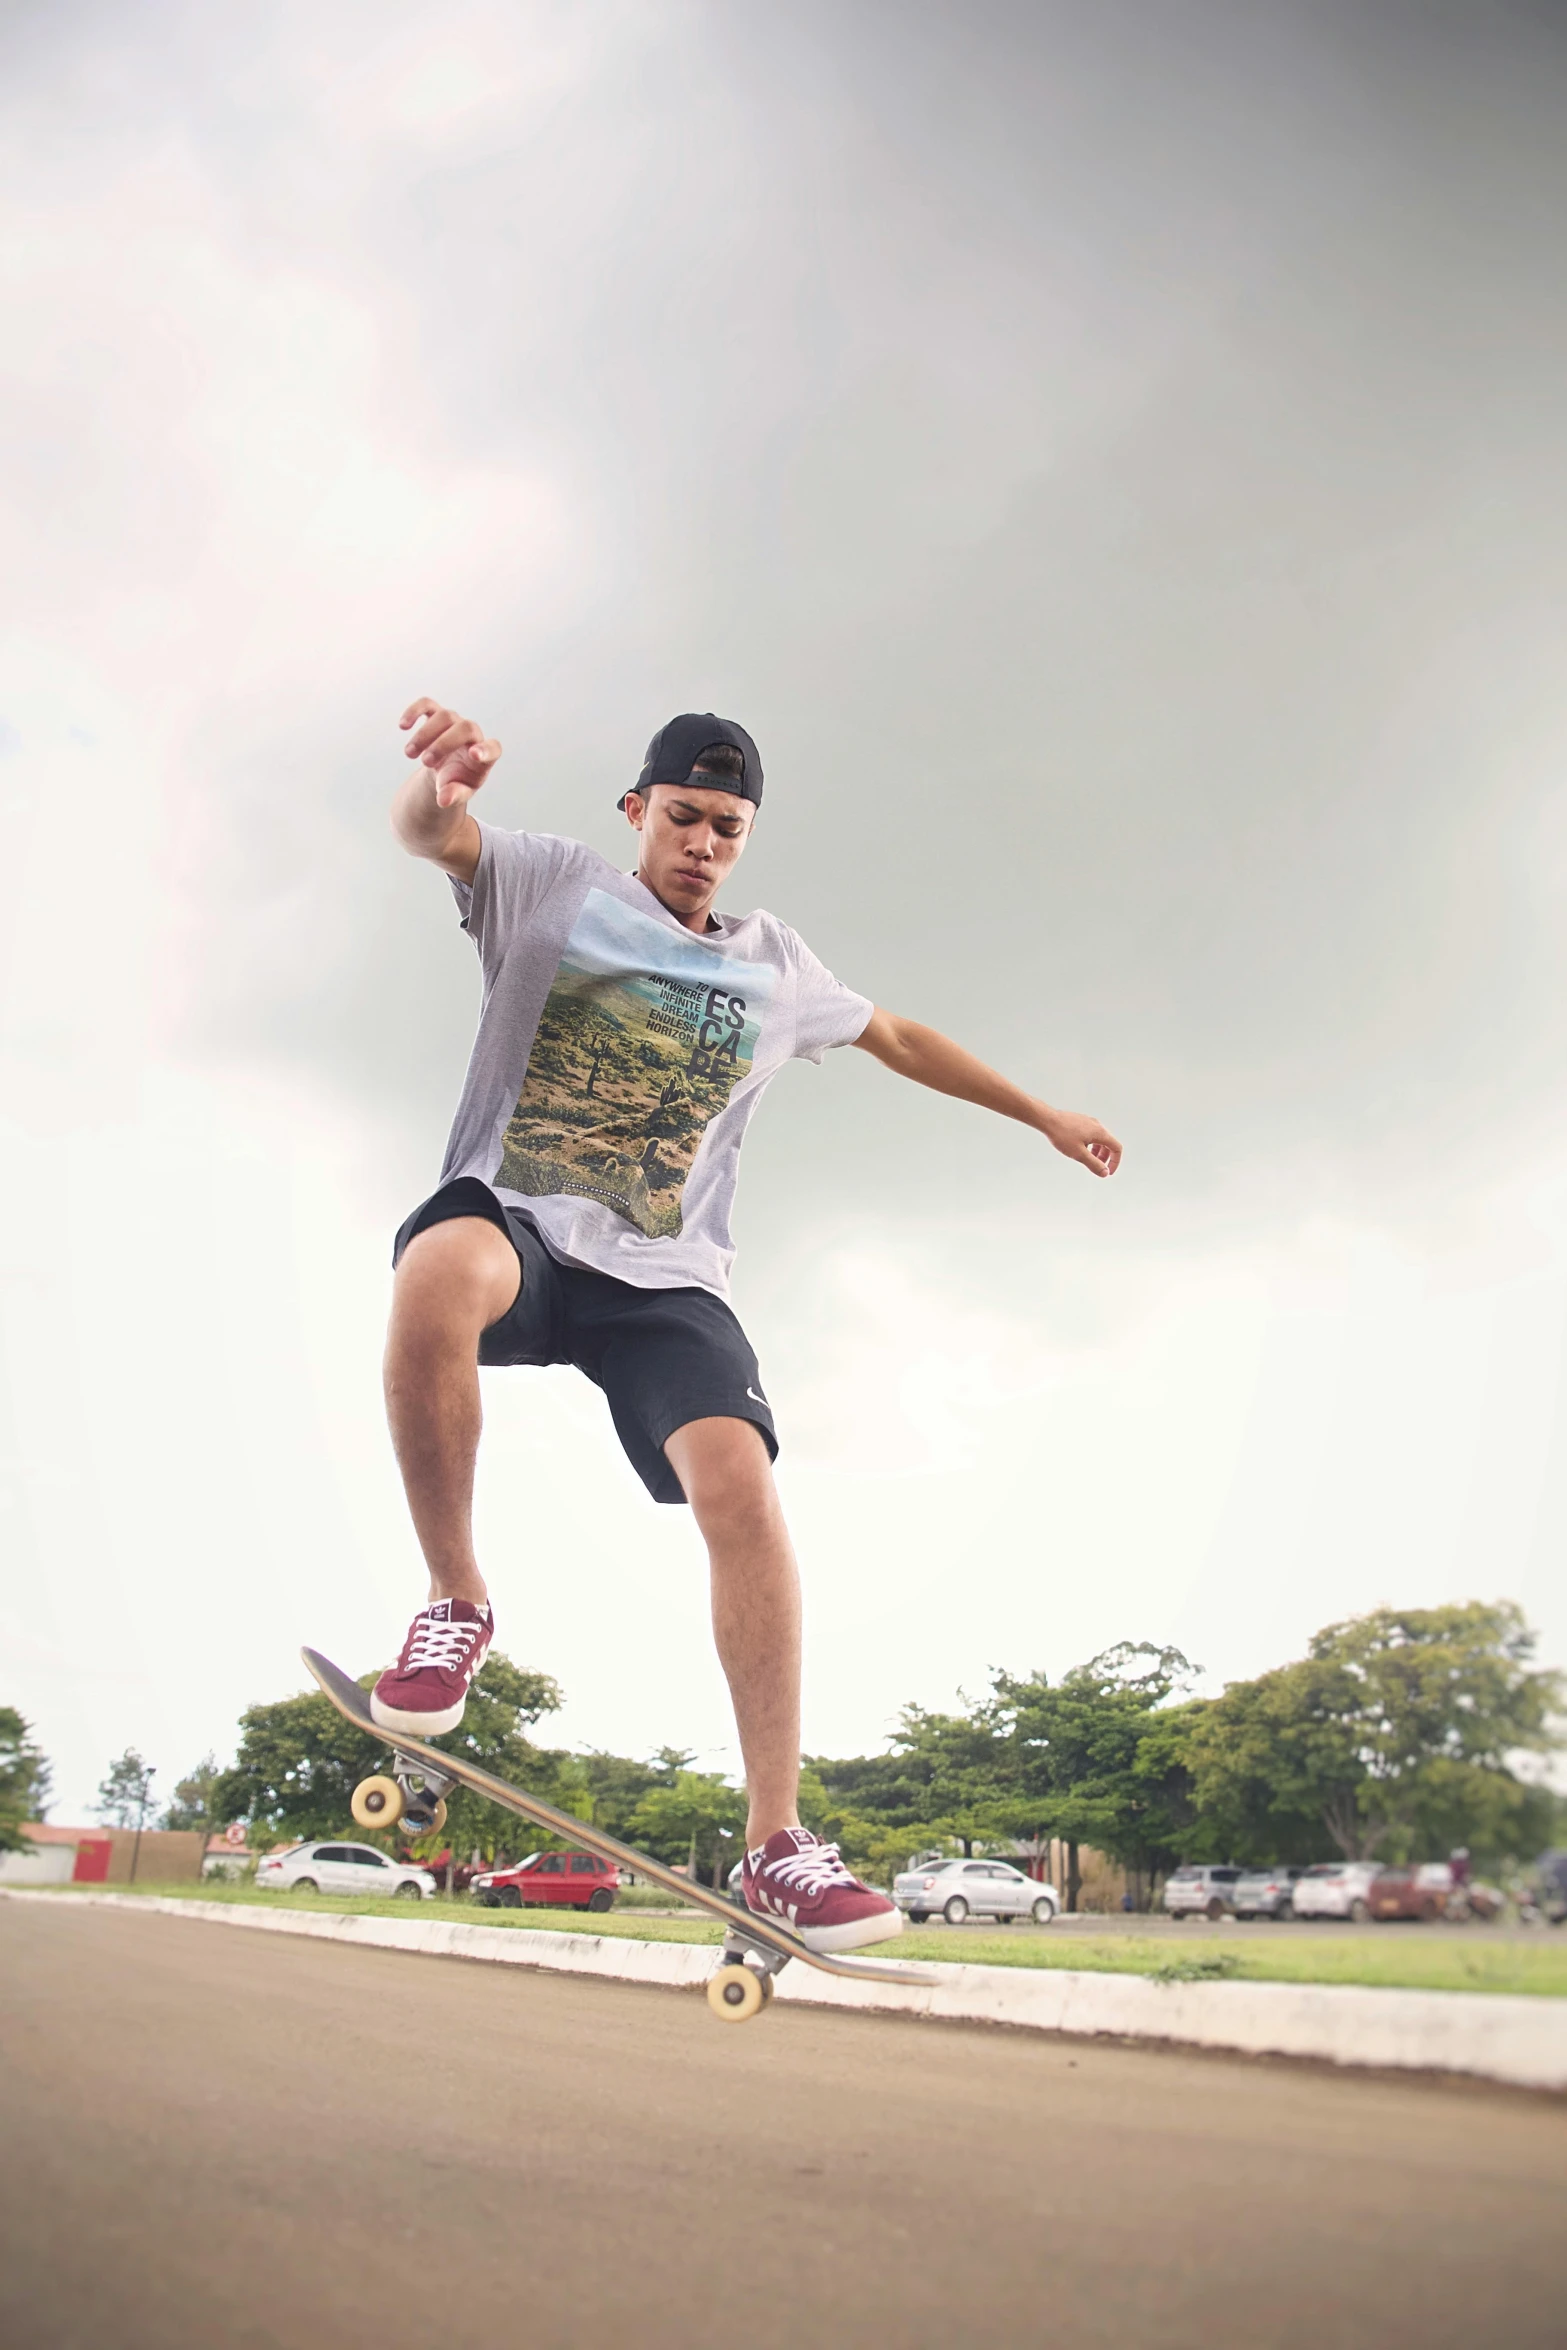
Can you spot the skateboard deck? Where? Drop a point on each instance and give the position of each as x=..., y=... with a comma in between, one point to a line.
x=766, y=1942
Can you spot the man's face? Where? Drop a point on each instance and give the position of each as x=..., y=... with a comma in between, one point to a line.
x=691, y=840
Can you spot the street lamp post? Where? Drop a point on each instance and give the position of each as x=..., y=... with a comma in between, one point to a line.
x=141, y=1820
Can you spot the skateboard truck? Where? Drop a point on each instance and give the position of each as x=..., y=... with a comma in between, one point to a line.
x=414, y=1795
x=742, y=1982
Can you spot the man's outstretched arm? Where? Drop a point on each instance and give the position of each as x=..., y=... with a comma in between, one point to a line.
x=430, y=813
x=930, y=1058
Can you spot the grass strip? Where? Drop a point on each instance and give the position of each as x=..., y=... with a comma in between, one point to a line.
x=1388, y=1958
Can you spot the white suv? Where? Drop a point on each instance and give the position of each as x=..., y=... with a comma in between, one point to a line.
x=1206, y=1893
x=341, y=1868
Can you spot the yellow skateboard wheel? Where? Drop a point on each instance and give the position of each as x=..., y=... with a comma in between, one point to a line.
x=378, y=1803
x=738, y=1992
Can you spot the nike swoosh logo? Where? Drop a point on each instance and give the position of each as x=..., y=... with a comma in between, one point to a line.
x=761, y=1399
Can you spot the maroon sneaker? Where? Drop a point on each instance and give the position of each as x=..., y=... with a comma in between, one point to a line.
x=427, y=1688
x=797, y=1878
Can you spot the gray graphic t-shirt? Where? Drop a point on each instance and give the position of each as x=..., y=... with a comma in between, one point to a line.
x=619, y=1057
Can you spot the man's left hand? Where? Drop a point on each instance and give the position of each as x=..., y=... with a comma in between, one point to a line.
x=1077, y=1136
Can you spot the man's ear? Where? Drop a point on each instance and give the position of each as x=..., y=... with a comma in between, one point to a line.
x=636, y=810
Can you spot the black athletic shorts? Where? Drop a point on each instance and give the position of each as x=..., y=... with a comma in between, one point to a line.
x=662, y=1356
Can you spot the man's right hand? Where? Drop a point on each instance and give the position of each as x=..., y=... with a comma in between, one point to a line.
x=459, y=754
x=430, y=815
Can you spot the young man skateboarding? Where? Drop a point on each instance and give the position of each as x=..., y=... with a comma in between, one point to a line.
x=582, y=1216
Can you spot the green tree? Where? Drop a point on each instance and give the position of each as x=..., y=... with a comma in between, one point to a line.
x=1170, y=1822
x=125, y=1795
x=699, y=1819
x=1396, y=1735
x=873, y=1846
x=962, y=1771
x=25, y=1779
x=504, y=1703
x=125, y=1798
x=947, y=1777
x=190, y=1806
x=299, y=1760
x=615, y=1785
x=1091, y=1759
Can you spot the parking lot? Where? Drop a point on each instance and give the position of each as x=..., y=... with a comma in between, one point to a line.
x=240, y=2139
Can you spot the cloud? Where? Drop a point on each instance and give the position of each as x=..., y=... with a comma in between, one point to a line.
x=1111, y=466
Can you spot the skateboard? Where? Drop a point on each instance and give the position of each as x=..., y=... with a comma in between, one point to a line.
x=756, y=1948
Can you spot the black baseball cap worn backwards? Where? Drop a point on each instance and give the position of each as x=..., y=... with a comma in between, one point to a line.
x=676, y=748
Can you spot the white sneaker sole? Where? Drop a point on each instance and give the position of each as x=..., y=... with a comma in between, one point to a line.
x=853, y=1936
x=387, y=1717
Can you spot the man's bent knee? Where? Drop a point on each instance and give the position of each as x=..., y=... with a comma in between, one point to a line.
x=462, y=1274
x=722, y=1461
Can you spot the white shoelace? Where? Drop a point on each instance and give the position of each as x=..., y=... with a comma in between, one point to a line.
x=812, y=1870
x=443, y=1645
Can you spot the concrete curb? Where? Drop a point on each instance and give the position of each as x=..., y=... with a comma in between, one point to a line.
x=1518, y=2040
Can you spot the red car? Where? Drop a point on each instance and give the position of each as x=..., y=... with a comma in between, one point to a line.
x=1430, y=1891
x=563, y=1880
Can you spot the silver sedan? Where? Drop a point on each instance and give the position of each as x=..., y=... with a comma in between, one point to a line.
x=957, y=1889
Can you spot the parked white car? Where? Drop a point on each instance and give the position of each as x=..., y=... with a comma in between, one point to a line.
x=1335, y=1889
x=1266, y=1893
x=341, y=1868
x=957, y=1889
x=1193, y=1892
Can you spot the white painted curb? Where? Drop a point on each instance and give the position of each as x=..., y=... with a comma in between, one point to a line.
x=1522, y=2041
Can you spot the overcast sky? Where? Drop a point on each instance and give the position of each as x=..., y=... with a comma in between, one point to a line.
x=1112, y=461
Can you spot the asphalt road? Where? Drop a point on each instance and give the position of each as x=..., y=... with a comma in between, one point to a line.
x=217, y=2138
